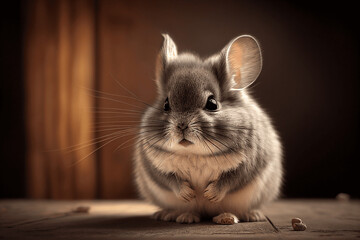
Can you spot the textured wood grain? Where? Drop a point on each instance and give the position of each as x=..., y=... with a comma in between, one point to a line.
x=324, y=218
x=20, y=219
x=124, y=57
x=59, y=68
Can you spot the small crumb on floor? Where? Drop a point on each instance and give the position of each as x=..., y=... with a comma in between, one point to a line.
x=295, y=220
x=298, y=224
x=299, y=227
x=81, y=209
x=343, y=197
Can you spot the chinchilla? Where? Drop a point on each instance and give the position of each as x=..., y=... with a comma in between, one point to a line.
x=205, y=148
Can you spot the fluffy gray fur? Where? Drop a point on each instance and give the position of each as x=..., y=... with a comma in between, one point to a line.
x=232, y=164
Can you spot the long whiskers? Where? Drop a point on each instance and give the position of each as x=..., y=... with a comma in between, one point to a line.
x=122, y=123
x=92, y=152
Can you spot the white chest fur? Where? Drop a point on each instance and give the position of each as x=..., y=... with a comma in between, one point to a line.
x=198, y=170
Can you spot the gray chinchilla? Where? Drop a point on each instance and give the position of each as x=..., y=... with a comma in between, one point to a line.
x=205, y=147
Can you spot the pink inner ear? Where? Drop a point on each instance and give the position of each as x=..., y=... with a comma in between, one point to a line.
x=235, y=59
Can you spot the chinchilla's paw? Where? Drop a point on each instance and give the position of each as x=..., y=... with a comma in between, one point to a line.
x=188, y=217
x=185, y=193
x=225, y=219
x=213, y=193
x=166, y=215
x=252, y=216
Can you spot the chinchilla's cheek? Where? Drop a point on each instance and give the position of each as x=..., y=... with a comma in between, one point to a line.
x=205, y=119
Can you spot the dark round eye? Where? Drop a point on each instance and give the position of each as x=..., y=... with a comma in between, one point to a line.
x=211, y=103
x=166, y=105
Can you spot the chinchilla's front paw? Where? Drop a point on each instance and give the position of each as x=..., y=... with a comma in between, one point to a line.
x=185, y=192
x=213, y=193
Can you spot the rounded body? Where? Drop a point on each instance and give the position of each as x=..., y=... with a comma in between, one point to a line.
x=251, y=175
x=206, y=148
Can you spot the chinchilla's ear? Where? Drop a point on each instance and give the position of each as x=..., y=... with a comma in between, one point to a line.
x=169, y=50
x=243, y=62
x=167, y=53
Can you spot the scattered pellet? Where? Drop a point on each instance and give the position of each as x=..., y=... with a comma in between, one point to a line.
x=295, y=220
x=299, y=226
x=343, y=197
x=81, y=209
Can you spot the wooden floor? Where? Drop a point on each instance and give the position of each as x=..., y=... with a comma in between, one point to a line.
x=24, y=219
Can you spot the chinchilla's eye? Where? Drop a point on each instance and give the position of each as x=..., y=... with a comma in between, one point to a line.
x=166, y=105
x=211, y=103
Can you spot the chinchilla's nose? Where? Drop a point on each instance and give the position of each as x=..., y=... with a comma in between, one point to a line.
x=182, y=126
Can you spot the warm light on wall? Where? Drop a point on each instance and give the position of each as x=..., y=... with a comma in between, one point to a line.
x=59, y=63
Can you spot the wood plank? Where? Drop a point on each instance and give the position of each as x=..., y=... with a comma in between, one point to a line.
x=324, y=218
x=21, y=219
x=109, y=220
x=59, y=68
x=124, y=56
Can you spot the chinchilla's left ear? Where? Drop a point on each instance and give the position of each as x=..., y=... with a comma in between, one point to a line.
x=167, y=53
x=169, y=49
x=243, y=61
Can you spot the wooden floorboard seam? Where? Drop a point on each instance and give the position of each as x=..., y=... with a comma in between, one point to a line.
x=277, y=230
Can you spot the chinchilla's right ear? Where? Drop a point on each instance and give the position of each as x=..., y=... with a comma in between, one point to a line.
x=167, y=53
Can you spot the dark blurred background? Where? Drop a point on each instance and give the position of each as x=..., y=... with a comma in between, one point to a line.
x=53, y=52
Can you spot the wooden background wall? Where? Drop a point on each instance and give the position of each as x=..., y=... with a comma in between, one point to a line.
x=74, y=50
x=59, y=68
